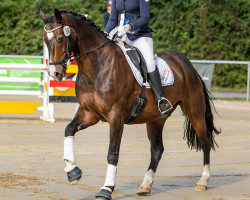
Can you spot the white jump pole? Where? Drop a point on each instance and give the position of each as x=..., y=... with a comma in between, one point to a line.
x=47, y=108
x=19, y=80
x=18, y=66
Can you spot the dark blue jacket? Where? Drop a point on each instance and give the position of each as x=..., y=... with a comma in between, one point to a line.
x=105, y=18
x=138, y=14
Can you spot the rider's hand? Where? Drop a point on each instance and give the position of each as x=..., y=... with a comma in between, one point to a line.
x=122, y=30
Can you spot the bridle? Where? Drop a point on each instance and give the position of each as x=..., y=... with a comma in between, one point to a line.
x=68, y=58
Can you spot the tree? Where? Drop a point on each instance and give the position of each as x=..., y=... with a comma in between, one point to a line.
x=199, y=29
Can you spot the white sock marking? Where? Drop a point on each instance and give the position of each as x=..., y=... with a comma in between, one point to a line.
x=148, y=179
x=205, y=176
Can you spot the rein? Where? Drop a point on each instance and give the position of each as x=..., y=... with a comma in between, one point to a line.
x=90, y=51
x=67, y=58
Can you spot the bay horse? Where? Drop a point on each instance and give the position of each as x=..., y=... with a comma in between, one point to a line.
x=106, y=89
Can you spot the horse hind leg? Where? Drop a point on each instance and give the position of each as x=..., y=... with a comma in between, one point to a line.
x=154, y=131
x=201, y=185
x=196, y=134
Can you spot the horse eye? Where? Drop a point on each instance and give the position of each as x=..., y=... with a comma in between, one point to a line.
x=60, y=38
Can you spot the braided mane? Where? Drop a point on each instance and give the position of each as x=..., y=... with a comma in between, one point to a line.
x=89, y=21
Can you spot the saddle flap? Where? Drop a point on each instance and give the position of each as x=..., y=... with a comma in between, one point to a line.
x=135, y=58
x=138, y=60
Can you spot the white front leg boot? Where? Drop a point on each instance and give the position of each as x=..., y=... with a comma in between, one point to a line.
x=106, y=191
x=69, y=153
x=110, y=177
x=74, y=173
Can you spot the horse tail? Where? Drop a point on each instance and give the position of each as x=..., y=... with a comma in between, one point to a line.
x=190, y=134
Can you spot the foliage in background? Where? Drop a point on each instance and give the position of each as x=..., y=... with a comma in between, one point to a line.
x=200, y=29
x=206, y=29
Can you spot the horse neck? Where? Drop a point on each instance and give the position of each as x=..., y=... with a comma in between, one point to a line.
x=87, y=39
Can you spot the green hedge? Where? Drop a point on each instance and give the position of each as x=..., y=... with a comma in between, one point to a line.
x=200, y=29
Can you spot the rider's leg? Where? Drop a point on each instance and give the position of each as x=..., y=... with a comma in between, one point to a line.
x=145, y=45
x=155, y=83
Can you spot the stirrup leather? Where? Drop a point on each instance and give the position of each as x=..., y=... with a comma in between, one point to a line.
x=166, y=111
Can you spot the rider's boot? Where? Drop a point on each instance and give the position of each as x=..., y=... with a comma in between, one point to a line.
x=162, y=103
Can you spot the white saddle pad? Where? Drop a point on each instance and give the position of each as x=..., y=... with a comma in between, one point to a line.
x=166, y=74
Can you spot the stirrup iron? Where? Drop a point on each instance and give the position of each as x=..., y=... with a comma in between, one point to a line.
x=163, y=113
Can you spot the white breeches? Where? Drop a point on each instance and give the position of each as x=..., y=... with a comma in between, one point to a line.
x=146, y=47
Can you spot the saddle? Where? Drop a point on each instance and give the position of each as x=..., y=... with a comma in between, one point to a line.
x=138, y=60
x=138, y=66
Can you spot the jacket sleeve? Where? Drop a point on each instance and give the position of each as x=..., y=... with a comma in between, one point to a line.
x=105, y=19
x=113, y=18
x=144, y=16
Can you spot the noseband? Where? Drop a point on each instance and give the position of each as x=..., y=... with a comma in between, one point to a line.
x=67, y=58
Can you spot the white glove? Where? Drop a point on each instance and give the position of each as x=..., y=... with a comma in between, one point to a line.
x=122, y=30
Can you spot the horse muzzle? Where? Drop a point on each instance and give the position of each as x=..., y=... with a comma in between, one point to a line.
x=57, y=72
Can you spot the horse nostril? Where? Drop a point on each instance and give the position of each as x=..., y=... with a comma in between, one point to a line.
x=57, y=74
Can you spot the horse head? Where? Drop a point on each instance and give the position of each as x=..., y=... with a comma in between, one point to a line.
x=56, y=37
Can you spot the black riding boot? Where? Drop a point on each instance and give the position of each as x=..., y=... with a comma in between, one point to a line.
x=162, y=103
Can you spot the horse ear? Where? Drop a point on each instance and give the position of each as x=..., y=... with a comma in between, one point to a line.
x=41, y=14
x=58, y=15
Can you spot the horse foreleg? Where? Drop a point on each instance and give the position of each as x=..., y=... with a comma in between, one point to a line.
x=81, y=121
x=116, y=129
x=154, y=131
x=73, y=173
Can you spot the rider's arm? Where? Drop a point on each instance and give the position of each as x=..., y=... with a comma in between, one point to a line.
x=144, y=16
x=113, y=18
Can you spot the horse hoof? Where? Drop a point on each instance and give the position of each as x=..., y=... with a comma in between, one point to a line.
x=103, y=195
x=74, y=175
x=143, y=190
x=74, y=182
x=200, y=187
